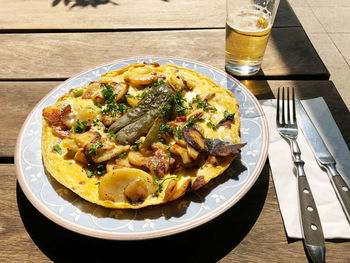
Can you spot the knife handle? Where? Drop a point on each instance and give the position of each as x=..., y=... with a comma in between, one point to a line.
x=341, y=189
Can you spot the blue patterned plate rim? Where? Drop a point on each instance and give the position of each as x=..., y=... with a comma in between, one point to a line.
x=104, y=233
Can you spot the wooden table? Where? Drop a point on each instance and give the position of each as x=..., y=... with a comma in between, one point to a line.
x=46, y=42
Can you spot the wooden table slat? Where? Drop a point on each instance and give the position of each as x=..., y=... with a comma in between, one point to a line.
x=289, y=53
x=251, y=231
x=124, y=14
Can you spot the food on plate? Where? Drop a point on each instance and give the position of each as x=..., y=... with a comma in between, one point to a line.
x=141, y=135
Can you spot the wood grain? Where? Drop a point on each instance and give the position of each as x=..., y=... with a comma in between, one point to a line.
x=18, y=98
x=251, y=231
x=15, y=242
x=289, y=53
x=121, y=14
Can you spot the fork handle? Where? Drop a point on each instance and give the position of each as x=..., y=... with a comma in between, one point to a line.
x=310, y=221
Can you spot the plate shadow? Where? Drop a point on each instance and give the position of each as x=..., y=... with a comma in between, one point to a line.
x=207, y=243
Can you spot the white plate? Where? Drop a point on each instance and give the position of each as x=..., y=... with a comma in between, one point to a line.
x=72, y=212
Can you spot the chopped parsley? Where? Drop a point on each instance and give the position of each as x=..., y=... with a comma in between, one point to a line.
x=161, y=139
x=228, y=116
x=77, y=92
x=122, y=155
x=100, y=170
x=178, y=132
x=159, y=183
x=95, y=169
x=107, y=92
x=112, y=136
x=58, y=149
x=178, y=101
x=112, y=107
x=201, y=104
x=166, y=109
x=160, y=82
x=189, y=122
x=136, y=145
x=142, y=95
x=164, y=128
x=80, y=127
x=96, y=123
x=212, y=125
x=94, y=147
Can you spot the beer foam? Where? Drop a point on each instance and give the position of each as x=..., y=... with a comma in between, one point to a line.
x=250, y=18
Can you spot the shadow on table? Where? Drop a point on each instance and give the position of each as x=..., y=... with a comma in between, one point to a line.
x=84, y=3
x=207, y=243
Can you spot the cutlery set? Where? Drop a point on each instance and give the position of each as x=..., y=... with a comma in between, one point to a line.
x=289, y=114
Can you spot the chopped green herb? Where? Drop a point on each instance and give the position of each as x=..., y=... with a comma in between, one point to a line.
x=100, y=170
x=111, y=136
x=167, y=148
x=58, y=149
x=201, y=103
x=160, y=82
x=159, y=183
x=178, y=132
x=161, y=139
x=93, y=149
x=212, y=125
x=136, y=145
x=155, y=165
x=80, y=126
x=164, y=128
x=95, y=169
x=178, y=101
x=142, y=95
x=89, y=173
x=166, y=109
x=107, y=92
x=228, y=116
x=96, y=123
x=189, y=122
x=122, y=155
x=77, y=92
x=112, y=107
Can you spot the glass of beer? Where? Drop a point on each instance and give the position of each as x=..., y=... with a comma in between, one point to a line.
x=248, y=27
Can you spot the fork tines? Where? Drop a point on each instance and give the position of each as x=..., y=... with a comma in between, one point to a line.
x=282, y=119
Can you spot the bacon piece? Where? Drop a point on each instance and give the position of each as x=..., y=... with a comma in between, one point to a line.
x=159, y=163
x=52, y=116
x=57, y=131
x=92, y=87
x=180, y=119
x=55, y=117
x=198, y=183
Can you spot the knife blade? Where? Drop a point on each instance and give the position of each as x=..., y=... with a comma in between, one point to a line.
x=324, y=157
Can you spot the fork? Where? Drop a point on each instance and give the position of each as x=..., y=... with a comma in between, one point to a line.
x=310, y=220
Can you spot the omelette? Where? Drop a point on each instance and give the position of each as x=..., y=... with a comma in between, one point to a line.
x=141, y=135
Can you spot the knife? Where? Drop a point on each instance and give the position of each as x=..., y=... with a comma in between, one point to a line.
x=324, y=157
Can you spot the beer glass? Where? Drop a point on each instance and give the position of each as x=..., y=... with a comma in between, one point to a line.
x=248, y=27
